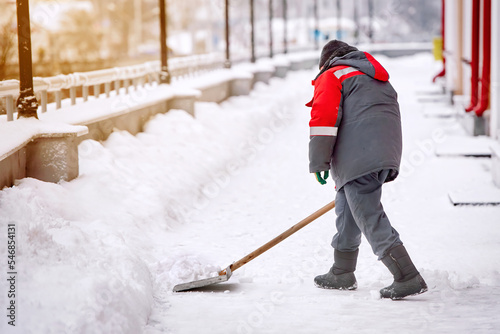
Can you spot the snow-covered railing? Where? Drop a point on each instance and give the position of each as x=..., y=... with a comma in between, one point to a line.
x=113, y=79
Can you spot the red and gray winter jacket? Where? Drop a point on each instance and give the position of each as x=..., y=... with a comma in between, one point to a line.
x=355, y=121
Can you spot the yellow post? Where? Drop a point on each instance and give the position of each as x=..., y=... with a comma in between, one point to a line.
x=437, y=49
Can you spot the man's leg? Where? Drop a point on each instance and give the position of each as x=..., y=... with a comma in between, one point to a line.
x=346, y=242
x=363, y=196
x=348, y=236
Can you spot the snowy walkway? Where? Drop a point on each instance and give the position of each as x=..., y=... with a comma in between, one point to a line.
x=101, y=254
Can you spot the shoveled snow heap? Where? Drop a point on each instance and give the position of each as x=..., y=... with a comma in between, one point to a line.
x=90, y=251
x=185, y=269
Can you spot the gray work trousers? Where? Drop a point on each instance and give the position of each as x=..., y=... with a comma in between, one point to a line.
x=359, y=210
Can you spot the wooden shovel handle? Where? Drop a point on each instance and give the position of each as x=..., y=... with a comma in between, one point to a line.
x=282, y=236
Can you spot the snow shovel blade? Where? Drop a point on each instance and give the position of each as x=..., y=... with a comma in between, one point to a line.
x=223, y=276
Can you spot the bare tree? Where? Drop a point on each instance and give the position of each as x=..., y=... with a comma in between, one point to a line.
x=7, y=41
x=80, y=40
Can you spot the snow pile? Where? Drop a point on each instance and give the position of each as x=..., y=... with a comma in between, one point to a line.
x=180, y=268
x=75, y=273
x=92, y=251
x=24, y=130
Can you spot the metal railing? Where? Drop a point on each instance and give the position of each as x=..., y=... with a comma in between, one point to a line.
x=111, y=79
x=78, y=86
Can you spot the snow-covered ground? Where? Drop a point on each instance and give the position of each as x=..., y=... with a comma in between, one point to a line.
x=100, y=254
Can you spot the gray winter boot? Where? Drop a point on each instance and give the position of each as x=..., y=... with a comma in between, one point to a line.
x=341, y=275
x=407, y=280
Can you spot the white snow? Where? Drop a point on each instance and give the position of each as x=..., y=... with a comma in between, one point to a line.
x=24, y=130
x=468, y=146
x=187, y=197
x=260, y=66
x=117, y=104
x=277, y=60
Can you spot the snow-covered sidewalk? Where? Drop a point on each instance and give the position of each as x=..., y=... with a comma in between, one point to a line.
x=101, y=254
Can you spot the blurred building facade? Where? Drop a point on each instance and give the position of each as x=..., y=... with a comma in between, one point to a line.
x=472, y=56
x=471, y=33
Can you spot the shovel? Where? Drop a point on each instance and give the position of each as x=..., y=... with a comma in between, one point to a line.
x=225, y=274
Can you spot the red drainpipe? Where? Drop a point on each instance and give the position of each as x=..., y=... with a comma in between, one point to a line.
x=474, y=61
x=485, y=76
x=443, y=72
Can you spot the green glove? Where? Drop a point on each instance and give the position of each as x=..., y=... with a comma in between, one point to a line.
x=320, y=179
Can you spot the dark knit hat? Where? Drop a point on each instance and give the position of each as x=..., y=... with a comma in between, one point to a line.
x=334, y=49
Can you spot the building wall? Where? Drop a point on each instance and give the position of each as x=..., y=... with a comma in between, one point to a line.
x=495, y=70
x=453, y=46
x=466, y=45
x=458, y=28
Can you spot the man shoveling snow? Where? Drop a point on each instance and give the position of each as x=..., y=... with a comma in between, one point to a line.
x=356, y=134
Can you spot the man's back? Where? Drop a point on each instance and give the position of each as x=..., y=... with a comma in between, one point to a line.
x=369, y=129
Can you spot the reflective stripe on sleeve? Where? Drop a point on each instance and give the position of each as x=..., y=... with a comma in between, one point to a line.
x=344, y=71
x=323, y=131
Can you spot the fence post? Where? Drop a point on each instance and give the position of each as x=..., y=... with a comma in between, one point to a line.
x=164, y=74
x=270, y=28
x=44, y=100
x=227, y=62
x=370, y=24
x=339, y=18
x=316, y=25
x=285, y=46
x=97, y=91
x=27, y=104
x=72, y=95
x=107, y=88
x=85, y=93
x=9, y=99
x=58, y=94
x=356, y=22
x=252, y=31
